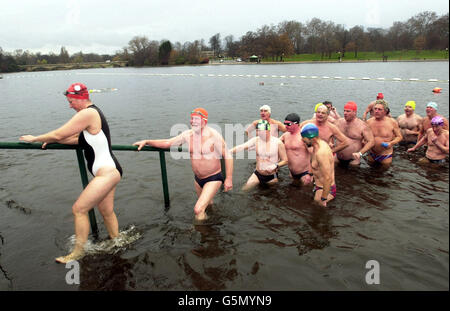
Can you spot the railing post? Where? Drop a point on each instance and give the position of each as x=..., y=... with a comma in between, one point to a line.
x=162, y=161
x=222, y=166
x=85, y=181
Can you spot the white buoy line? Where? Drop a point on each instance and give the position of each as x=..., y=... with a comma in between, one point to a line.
x=211, y=75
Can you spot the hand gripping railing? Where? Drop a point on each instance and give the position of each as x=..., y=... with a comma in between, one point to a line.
x=82, y=166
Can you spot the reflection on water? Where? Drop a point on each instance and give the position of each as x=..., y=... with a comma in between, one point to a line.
x=270, y=238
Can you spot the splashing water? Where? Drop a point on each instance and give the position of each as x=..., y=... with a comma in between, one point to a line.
x=109, y=246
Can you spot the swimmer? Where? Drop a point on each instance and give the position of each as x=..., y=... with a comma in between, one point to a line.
x=270, y=156
x=299, y=158
x=386, y=133
x=206, y=148
x=409, y=124
x=438, y=142
x=333, y=115
x=359, y=134
x=88, y=129
x=431, y=111
x=328, y=131
x=275, y=125
x=369, y=109
x=322, y=164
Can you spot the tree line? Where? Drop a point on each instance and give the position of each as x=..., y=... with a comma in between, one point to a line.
x=425, y=30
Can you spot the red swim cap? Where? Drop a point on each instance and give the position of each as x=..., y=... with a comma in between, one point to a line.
x=77, y=91
x=351, y=106
x=202, y=112
x=380, y=96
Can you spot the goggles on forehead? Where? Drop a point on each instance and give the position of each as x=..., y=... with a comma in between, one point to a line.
x=199, y=113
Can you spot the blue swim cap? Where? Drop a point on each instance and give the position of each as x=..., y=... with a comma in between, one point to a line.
x=310, y=131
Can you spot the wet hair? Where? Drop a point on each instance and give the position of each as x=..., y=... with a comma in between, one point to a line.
x=384, y=104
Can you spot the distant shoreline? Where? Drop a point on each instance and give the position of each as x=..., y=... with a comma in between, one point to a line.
x=329, y=61
x=48, y=67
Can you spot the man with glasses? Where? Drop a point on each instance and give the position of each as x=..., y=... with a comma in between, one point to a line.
x=206, y=148
x=275, y=125
x=299, y=158
x=359, y=134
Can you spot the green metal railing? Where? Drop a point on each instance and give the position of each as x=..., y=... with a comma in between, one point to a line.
x=83, y=172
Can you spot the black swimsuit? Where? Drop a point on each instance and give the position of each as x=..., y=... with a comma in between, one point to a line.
x=97, y=148
x=215, y=177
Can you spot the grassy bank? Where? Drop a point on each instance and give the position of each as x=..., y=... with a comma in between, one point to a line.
x=48, y=67
x=368, y=56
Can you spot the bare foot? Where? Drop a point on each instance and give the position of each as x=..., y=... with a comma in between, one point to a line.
x=200, y=218
x=72, y=256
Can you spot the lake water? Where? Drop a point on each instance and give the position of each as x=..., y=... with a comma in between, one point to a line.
x=268, y=239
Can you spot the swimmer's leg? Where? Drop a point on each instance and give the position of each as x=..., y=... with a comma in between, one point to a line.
x=272, y=182
x=92, y=195
x=423, y=160
x=208, y=192
x=106, y=209
x=199, y=190
x=251, y=182
x=386, y=163
x=318, y=196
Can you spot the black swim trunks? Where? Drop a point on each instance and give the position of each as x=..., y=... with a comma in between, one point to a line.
x=202, y=182
x=264, y=179
x=299, y=176
x=344, y=163
x=441, y=161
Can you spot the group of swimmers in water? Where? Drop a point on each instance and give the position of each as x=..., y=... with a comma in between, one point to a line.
x=310, y=149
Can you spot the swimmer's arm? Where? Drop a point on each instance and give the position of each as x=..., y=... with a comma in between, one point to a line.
x=343, y=140
x=251, y=128
x=247, y=145
x=338, y=116
x=421, y=130
x=72, y=140
x=443, y=147
x=162, y=143
x=419, y=143
x=369, y=138
x=282, y=154
x=228, y=158
x=281, y=127
x=398, y=135
x=368, y=109
x=74, y=126
x=325, y=171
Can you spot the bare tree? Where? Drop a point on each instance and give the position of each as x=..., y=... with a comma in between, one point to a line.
x=214, y=41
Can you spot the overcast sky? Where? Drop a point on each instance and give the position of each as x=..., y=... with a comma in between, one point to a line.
x=100, y=26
